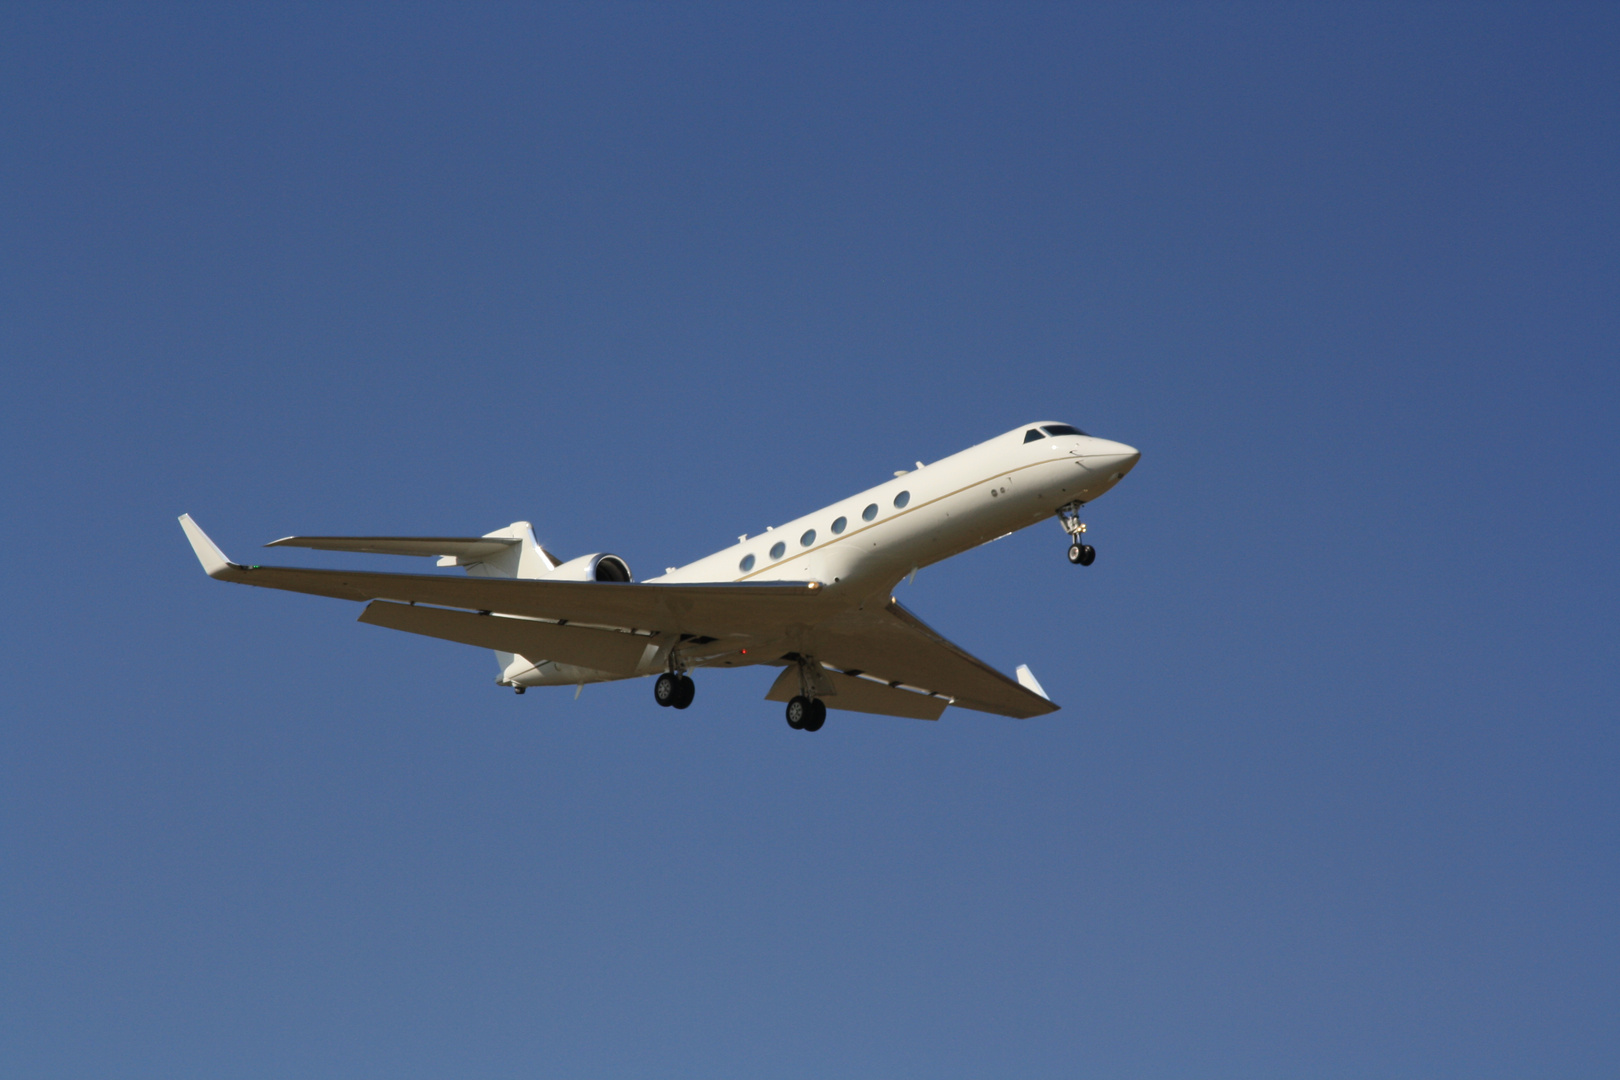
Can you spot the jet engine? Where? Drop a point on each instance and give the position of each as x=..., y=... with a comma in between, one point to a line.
x=598, y=567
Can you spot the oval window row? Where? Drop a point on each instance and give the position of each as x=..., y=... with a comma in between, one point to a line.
x=779, y=548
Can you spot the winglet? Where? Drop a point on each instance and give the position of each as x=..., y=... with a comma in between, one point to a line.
x=1026, y=679
x=213, y=560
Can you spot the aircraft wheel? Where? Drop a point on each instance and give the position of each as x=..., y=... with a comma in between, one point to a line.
x=798, y=711
x=1075, y=554
x=817, y=717
x=686, y=690
x=1088, y=554
x=667, y=689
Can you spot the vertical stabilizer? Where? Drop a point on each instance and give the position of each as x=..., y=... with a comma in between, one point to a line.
x=525, y=559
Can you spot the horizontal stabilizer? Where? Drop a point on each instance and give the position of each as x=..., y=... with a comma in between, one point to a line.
x=463, y=547
x=600, y=650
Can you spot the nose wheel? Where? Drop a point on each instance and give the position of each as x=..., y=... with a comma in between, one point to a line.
x=806, y=713
x=674, y=690
x=1080, y=552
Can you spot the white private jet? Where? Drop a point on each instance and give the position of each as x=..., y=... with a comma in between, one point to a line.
x=811, y=597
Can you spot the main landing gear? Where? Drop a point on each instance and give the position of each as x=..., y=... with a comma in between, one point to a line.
x=806, y=713
x=675, y=690
x=1080, y=553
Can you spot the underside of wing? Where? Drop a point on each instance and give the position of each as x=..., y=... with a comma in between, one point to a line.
x=858, y=694
x=884, y=661
x=709, y=610
x=619, y=652
x=692, y=611
x=897, y=648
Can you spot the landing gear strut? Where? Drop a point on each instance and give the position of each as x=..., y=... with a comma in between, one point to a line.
x=675, y=690
x=1080, y=553
x=806, y=713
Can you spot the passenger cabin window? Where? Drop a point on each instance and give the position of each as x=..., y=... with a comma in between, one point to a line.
x=901, y=499
x=777, y=549
x=747, y=564
x=869, y=513
x=839, y=525
x=1032, y=434
x=1059, y=429
x=808, y=538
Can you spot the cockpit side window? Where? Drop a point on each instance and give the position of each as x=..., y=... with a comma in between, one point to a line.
x=1034, y=433
x=1059, y=429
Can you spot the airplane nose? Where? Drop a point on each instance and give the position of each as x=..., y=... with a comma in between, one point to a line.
x=1111, y=457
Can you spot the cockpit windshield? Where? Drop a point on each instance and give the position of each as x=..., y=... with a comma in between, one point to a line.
x=1061, y=429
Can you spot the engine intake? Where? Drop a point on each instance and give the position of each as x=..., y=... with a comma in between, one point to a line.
x=598, y=567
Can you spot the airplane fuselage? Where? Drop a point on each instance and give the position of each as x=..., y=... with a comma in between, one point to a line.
x=859, y=548
x=866, y=543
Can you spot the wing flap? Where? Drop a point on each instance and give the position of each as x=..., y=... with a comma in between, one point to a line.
x=862, y=695
x=601, y=650
x=896, y=646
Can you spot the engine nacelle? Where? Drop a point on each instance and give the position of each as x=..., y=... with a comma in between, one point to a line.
x=598, y=567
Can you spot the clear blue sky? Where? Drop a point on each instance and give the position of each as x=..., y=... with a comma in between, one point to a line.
x=1332, y=792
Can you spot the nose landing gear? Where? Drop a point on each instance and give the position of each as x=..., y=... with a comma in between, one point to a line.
x=1080, y=553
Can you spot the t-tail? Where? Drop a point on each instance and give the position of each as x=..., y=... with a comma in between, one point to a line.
x=511, y=552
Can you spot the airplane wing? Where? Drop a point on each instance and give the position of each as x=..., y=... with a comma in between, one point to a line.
x=874, y=656
x=698, y=610
x=893, y=646
x=616, y=651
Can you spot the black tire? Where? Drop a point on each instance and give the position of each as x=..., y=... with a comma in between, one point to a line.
x=798, y=710
x=666, y=689
x=685, y=691
x=1088, y=555
x=1076, y=553
x=817, y=717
